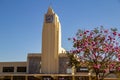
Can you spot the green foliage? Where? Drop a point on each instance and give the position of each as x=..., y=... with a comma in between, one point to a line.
x=73, y=61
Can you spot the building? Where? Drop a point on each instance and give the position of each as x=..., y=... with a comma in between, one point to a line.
x=51, y=64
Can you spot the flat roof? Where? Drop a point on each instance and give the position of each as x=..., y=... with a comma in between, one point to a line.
x=25, y=74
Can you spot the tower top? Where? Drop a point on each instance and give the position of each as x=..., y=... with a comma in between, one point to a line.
x=50, y=10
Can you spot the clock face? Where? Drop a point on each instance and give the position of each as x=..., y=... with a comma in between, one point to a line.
x=49, y=18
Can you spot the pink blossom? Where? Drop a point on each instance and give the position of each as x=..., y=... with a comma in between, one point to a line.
x=111, y=66
x=114, y=33
x=118, y=55
x=96, y=66
x=95, y=54
x=106, y=49
x=74, y=39
x=118, y=68
x=91, y=47
x=119, y=58
x=119, y=34
x=111, y=46
x=85, y=32
x=78, y=50
x=105, y=31
x=105, y=70
x=113, y=38
x=80, y=34
x=74, y=51
x=116, y=49
x=93, y=43
x=91, y=33
x=89, y=37
x=92, y=57
x=110, y=38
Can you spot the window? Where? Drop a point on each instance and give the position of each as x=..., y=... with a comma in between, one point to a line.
x=69, y=70
x=82, y=69
x=8, y=69
x=21, y=69
x=112, y=70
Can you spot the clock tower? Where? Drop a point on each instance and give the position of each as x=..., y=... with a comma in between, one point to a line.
x=51, y=43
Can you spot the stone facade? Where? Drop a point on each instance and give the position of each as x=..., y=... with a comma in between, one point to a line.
x=63, y=64
x=34, y=61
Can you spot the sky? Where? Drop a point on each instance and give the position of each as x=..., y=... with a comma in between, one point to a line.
x=21, y=22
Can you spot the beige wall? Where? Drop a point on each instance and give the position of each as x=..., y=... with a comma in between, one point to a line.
x=12, y=64
x=51, y=44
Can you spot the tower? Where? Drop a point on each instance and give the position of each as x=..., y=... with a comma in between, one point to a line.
x=51, y=43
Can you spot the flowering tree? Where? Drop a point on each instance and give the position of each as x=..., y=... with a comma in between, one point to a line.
x=99, y=49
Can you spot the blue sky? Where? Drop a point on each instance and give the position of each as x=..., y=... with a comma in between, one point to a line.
x=21, y=22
